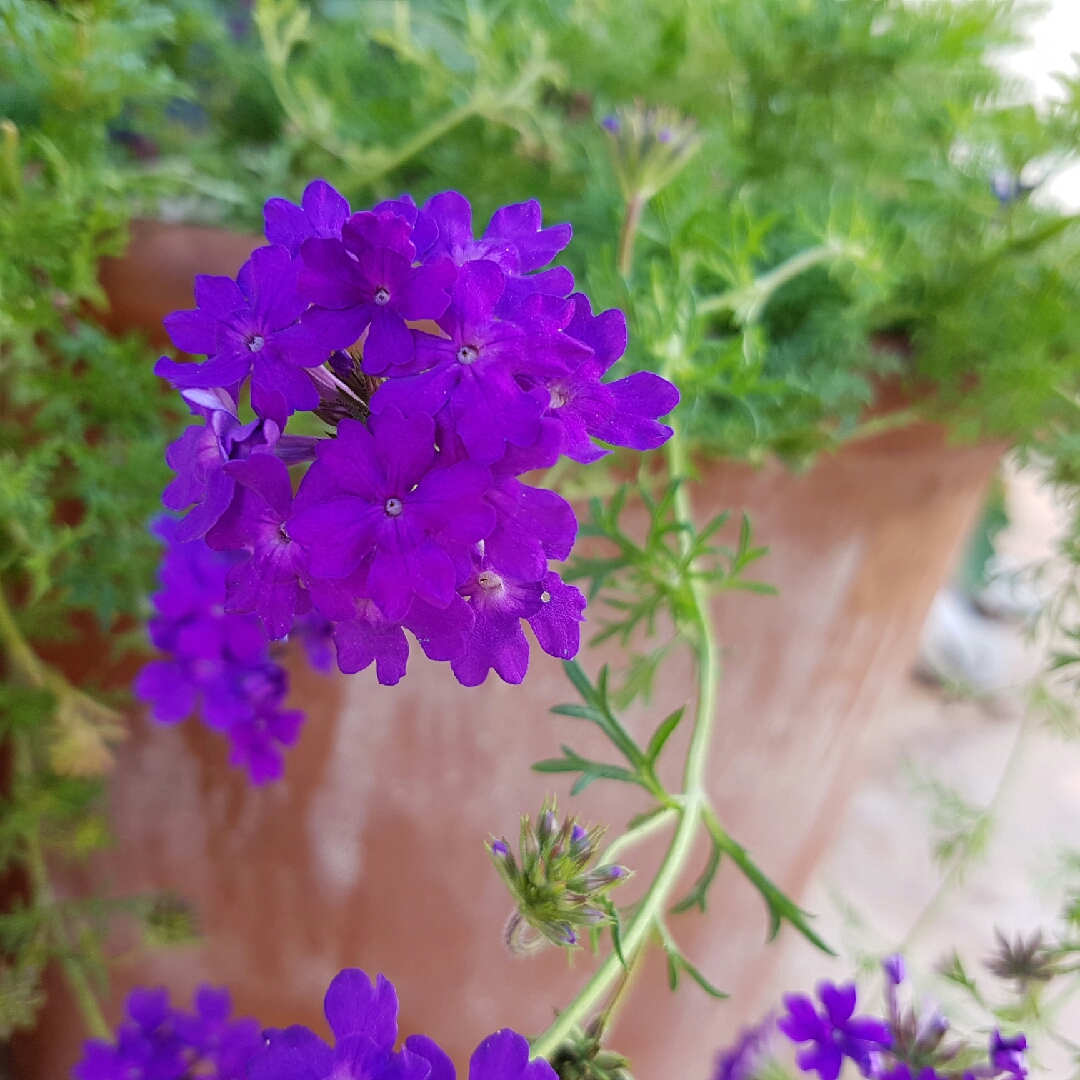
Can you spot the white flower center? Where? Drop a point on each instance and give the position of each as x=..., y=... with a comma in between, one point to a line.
x=558, y=397
x=488, y=579
x=467, y=354
x=256, y=343
x=394, y=507
x=545, y=597
x=382, y=295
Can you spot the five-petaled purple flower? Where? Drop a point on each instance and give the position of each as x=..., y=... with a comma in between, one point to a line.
x=834, y=1033
x=249, y=326
x=412, y=522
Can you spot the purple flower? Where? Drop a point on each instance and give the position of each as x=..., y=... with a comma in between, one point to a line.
x=894, y=968
x=474, y=370
x=257, y=738
x=499, y=602
x=217, y=660
x=743, y=1060
x=249, y=326
x=505, y=1056
x=1007, y=1054
x=514, y=239
x=158, y=1042
x=367, y=281
x=834, y=1033
x=200, y=454
x=623, y=413
x=321, y=213
x=376, y=493
x=363, y=1019
x=228, y=1045
x=269, y=580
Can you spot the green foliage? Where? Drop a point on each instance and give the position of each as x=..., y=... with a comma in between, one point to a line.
x=869, y=131
x=82, y=434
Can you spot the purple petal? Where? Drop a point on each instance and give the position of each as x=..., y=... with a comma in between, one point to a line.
x=448, y=502
x=406, y=448
x=490, y=410
x=839, y=1001
x=441, y=1067
x=389, y=343
x=337, y=534
x=369, y=638
x=405, y=565
x=427, y=293
x=218, y=296
x=638, y=400
x=505, y=1056
x=440, y=632
x=193, y=331
x=163, y=684
x=521, y=225
x=354, y=1007
x=296, y=1053
x=224, y=370
x=330, y=276
x=273, y=272
x=268, y=477
x=556, y=624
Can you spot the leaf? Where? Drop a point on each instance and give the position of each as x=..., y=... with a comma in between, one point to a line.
x=599, y=711
x=590, y=770
x=616, y=930
x=677, y=962
x=696, y=896
x=662, y=733
x=781, y=907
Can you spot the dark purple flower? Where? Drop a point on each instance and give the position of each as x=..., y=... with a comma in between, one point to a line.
x=158, y=1042
x=835, y=1033
x=363, y=1019
x=375, y=493
x=743, y=1060
x=224, y=1044
x=269, y=580
x=1007, y=1054
x=257, y=738
x=623, y=413
x=249, y=326
x=321, y=213
x=216, y=660
x=505, y=1056
x=367, y=281
x=514, y=239
x=496, y=641
x=473, y=371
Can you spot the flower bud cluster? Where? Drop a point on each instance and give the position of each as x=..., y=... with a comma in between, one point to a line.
x=446, y=366
x=557, y=893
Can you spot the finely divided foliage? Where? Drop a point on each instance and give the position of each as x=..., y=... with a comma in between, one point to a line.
x=446, y=366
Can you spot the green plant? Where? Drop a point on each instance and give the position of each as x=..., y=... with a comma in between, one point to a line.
x=81, y=438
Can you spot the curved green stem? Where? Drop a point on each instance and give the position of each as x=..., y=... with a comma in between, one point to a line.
x=636, y=933
x=25, y=666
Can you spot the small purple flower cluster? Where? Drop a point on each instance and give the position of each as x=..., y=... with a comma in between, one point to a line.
x=411, y=516
x=159, y=1042
x=217, y=660
x=904, y=1046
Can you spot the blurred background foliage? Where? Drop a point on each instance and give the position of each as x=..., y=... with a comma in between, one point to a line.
x=864, y=200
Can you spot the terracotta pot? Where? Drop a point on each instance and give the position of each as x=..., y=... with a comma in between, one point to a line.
x=371, y=853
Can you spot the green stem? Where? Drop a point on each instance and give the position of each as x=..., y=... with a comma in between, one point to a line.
x=27, y=667
x=635, y=835
x=649, y=910
x=956, y=871
x=631, y=220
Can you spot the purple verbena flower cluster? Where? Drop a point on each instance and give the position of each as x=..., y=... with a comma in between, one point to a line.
x=903, y=1046
x=159, y=1042
x=412, y=516
x=218, y=661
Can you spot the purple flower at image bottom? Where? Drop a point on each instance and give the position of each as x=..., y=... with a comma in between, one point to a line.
x=834, y=1032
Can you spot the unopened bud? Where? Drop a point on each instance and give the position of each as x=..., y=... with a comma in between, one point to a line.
x=599, y=878
x=546, y=826
x=894, y=969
